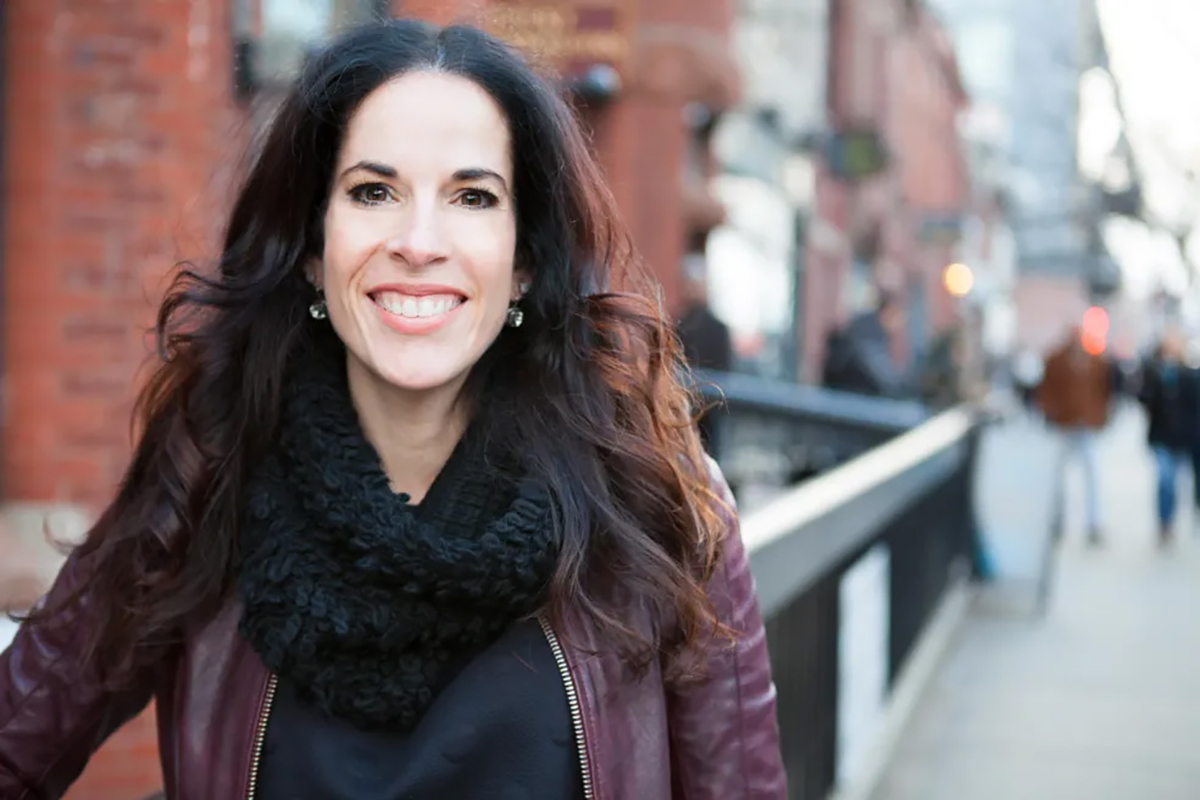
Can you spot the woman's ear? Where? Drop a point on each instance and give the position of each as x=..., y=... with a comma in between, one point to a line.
x=313, y=272
x=521, y=282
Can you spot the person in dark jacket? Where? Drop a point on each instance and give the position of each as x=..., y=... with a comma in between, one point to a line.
x=414, y=511
x=1169, y=395
x=940, y=374
x=859, y=358
x=707, y=344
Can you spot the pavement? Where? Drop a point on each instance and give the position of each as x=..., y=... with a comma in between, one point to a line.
x=1097, y=699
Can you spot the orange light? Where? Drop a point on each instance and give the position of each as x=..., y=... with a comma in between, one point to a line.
x=1093, y=345
x=1095, y=320
x=958, y=280
x=1094, y=330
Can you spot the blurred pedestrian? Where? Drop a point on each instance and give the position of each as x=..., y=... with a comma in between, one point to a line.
x=410, y=467
x=859, y=356
x=1028, y=368
x=1169, y=395
x=706, y=341
x=1074, y=396
x=1191, y=360
x=941, y=372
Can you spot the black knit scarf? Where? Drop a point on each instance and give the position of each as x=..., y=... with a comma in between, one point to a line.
x=365, y=602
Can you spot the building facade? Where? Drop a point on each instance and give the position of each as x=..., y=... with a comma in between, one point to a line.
x=1022, y=61
x=766, y=180
x=124, y=126
x=893, y=183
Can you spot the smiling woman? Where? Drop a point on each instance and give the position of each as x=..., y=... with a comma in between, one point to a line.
x=417, y=509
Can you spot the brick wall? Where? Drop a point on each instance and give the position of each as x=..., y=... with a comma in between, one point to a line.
x=926, y=97
x=118, y=123
x=889, y=70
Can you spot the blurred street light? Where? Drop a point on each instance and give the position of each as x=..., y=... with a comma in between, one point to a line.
x=1094, y=330
x=958, y=280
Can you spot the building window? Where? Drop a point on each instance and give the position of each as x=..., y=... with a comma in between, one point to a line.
x=273, y=38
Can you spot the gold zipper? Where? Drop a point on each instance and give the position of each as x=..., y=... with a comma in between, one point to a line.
x=572, y=701
x=260, y=735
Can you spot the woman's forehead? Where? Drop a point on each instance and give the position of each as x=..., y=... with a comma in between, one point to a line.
x=429, y=121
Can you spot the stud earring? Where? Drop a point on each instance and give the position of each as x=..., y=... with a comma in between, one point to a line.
x=318, y=310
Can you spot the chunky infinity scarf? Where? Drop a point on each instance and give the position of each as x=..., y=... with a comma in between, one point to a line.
x=367, y=603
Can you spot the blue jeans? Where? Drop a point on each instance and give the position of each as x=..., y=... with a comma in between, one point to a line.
x=1195, y=473
x=1080, y=443
x=1169, y=462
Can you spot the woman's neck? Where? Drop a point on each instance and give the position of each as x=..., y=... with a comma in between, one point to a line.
x=413, y=432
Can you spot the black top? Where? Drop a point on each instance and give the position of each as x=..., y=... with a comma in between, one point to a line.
x=705, y=340
x=501, y=730
x=1169, y=394
x=858, y=358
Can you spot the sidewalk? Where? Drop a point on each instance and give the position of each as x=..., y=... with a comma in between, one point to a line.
x=1101, y=699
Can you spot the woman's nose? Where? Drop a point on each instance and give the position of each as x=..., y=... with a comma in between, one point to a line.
x=418, y=239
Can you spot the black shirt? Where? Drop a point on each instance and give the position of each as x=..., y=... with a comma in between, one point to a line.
x=500, y=730
x=706, y=341
x=1172, y=401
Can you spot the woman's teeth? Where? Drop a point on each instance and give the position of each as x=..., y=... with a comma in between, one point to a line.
x=405, y=305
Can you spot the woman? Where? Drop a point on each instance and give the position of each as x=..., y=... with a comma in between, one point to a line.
x=417, y=510
x=1168, y=393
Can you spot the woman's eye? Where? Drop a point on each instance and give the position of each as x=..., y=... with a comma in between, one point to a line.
x=371, y=194
x=477, y=198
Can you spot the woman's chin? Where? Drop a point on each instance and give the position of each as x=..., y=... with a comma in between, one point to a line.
x=418, y=377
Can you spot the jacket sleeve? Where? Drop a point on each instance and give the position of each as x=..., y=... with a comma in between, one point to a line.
x=53, y=714
x=724, y=733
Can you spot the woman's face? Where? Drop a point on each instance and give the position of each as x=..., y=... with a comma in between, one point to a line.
x=420, y=232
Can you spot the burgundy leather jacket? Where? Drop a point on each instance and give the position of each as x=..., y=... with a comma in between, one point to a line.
x=718, y=739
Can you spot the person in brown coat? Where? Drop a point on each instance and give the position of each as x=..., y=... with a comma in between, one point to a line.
x=1074, y=397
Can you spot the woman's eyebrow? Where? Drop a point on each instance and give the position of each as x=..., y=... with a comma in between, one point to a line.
x=479, y=173
x=379, y=168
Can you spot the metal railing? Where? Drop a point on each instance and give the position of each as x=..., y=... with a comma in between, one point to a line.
x=784, y=432
x=850, y=566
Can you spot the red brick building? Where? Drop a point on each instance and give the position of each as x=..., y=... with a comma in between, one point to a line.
x=122, y=132
x=894, y=87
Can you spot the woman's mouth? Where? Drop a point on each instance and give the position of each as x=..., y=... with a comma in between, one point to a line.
x=414, y=307
x=416, y=314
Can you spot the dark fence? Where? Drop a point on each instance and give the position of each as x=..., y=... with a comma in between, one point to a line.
x=781, y=432
x=850, y=567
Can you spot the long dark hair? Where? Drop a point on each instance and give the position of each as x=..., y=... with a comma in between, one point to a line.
x=588, y=389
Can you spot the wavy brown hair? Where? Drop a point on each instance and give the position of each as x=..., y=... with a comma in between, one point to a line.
x=588, y=392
